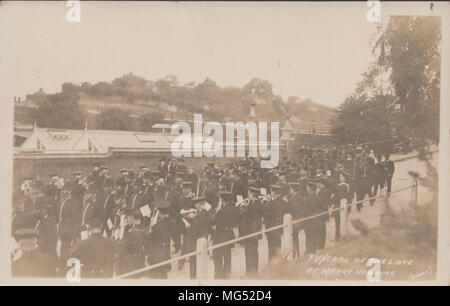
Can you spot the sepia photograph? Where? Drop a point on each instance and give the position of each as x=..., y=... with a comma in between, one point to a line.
x=215, y=143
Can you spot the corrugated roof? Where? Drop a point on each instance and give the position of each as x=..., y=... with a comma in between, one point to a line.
x=60, y=141
x=94, y=141
x=103, y=140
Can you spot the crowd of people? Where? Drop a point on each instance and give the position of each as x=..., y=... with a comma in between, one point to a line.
x=144, y=217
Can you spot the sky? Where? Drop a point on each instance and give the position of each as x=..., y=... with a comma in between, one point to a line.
x=310, y=50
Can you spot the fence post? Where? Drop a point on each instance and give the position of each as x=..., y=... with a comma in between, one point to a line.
x=286, y=242
x=263, y=250
x=343, y=217
x=301, y=243
x=202, y=258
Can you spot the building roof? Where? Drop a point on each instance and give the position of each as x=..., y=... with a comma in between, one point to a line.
x=51, y=140
x=103, y=140
x=162, y=126
x=298, y=125
x=93, y=141
x=88, y=142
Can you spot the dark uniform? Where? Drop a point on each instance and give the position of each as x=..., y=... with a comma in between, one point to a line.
x=296, y=207
x=199, y=226
x=311, y=208
x=68, y=225
x=342, y=192
x=378, y=177
x=251, y=221
x=239, y=187
x=96, y=254
x=211, y=192
x=106, y=200
x=160, y=235
x=362, y=182
x=174, y=195
x=324, y=197
x=132, y=250
x=46, y=229
x=31, y=262
x=390, y=169
x=274, y=211
x=226, y=217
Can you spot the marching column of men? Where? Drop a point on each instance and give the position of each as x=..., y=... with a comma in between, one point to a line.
x=118, y=226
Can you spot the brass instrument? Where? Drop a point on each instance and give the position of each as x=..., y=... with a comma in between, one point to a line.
x=266, y=198
x=242, y=203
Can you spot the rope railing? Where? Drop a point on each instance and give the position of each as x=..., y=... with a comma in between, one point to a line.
x=245, y=237
x=157, y=265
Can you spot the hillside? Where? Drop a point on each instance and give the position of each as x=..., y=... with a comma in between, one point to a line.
x=153, y=101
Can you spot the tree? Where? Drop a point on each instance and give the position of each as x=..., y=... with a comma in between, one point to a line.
x=150, y=119
x=70, y=88
x=114, y=119
x=60, y=110
x=259, y=88
x=399, y=93
x=101, y=89
x=408, y=47
x=364, y=120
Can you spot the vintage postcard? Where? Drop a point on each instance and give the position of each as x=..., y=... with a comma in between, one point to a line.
x=206, y=143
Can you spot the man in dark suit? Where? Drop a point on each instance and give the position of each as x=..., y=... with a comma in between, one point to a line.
x=69, y=220
x=198, y=224
x=132, y=249
x=105, y=199
x=251, y=222
x=274, y=211
x=96, y=253
x=378, y=176
x=46, y=229
x=324, y=198
x=160, y=236
x=390, y=169
x=226, y=217
x=296, y=207
x=238, y=185
x=342, y=192
x=311, y=208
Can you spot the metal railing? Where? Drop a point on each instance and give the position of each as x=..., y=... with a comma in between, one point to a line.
x=202, y=248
